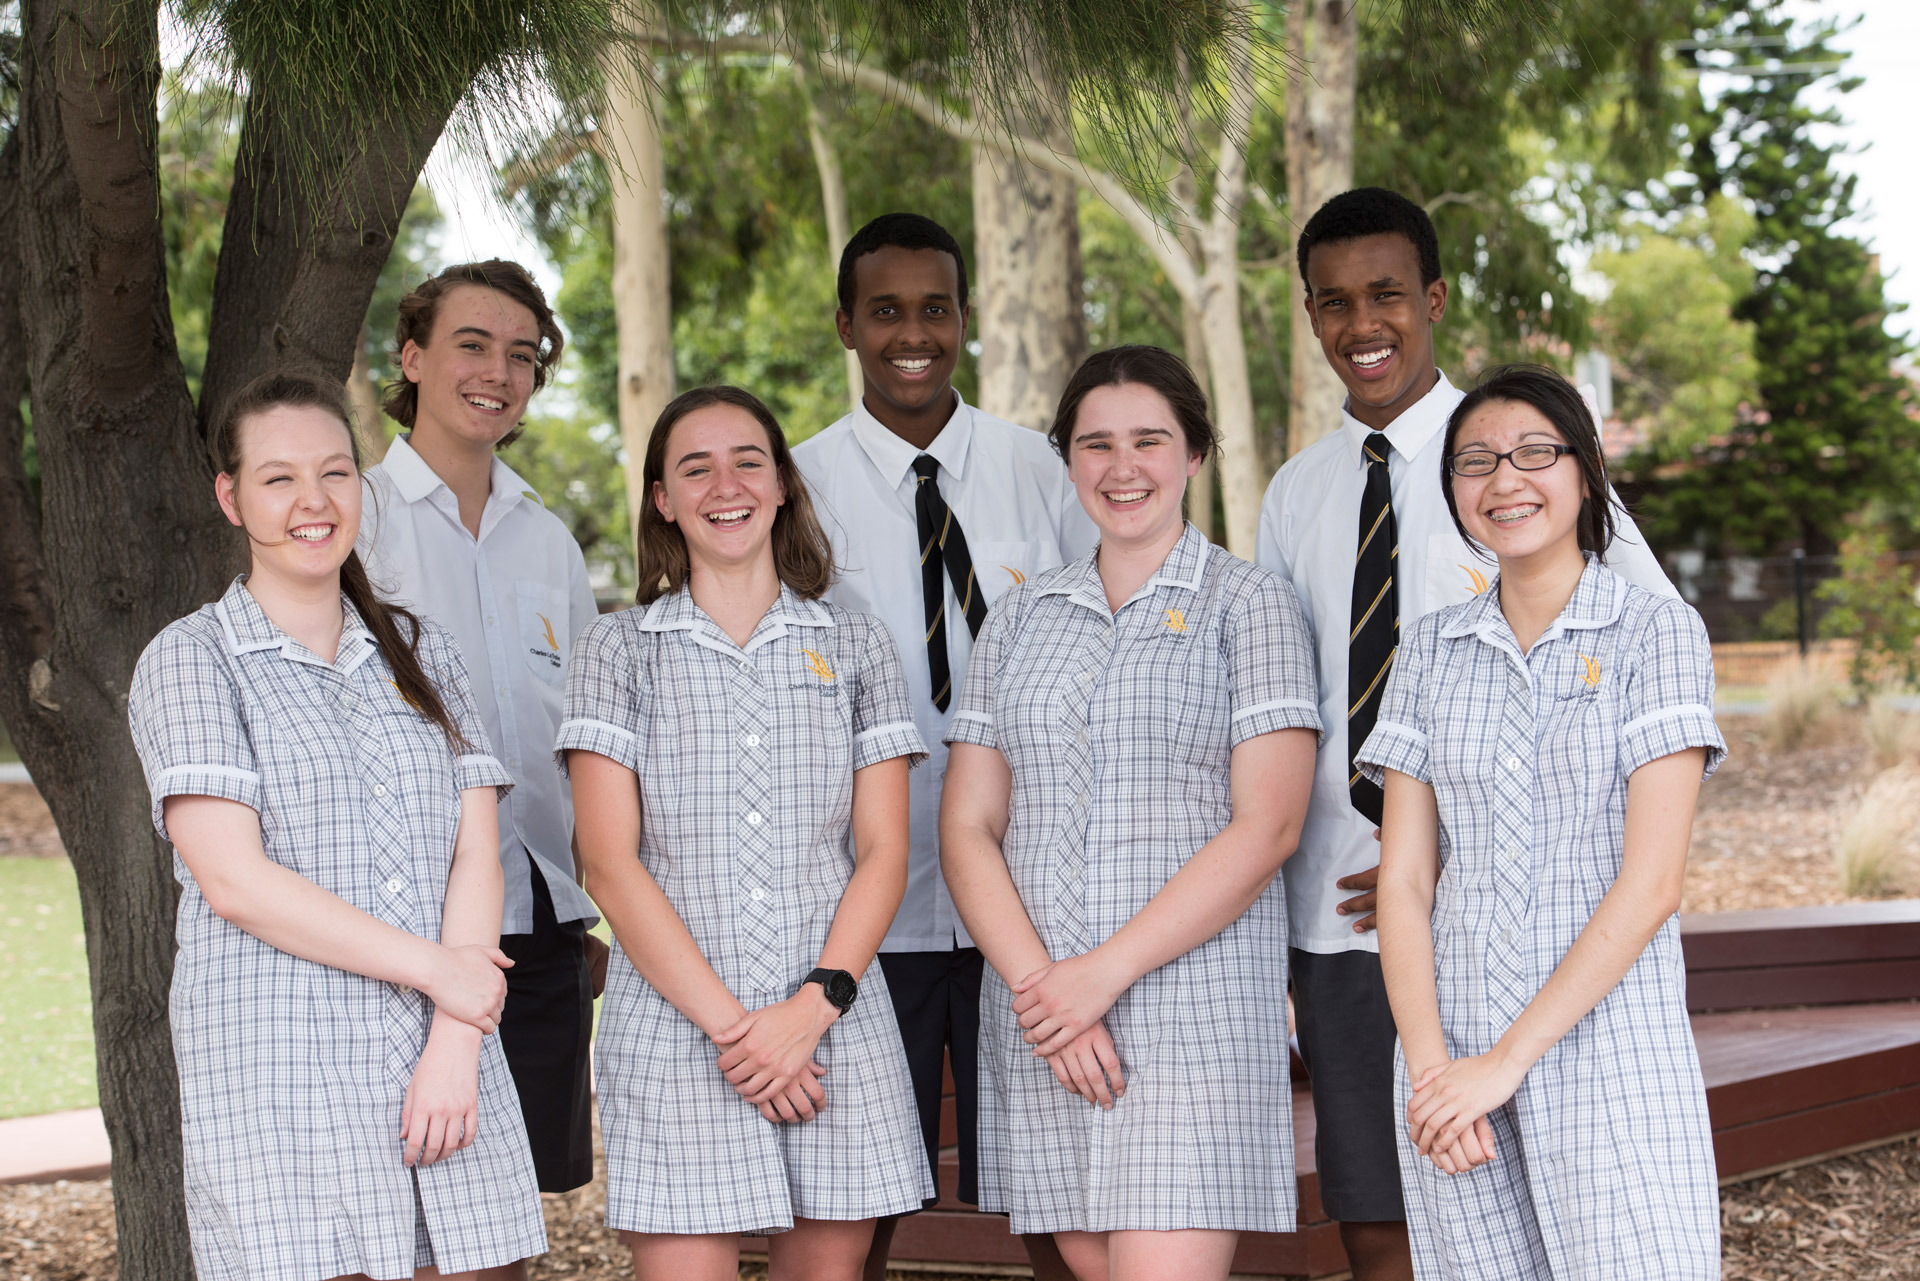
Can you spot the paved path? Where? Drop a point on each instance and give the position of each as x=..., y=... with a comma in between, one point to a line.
x=59, y=1145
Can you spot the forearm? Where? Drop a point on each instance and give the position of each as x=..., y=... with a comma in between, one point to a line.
x=865, y=913
x=1409, y=879
x=475, y=884
x=1215, y=889
x=286, y=911
x=984, y=895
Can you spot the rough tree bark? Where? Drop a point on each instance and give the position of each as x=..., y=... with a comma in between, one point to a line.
x=1028, y=306
x=642, y=301
x=833, y=201
x=1324, y=35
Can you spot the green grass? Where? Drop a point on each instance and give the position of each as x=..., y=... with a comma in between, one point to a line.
x=46, y=1011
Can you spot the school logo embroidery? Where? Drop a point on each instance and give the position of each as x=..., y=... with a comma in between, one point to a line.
x=548, y=624
x=1018, y=577
x=403, y=696
x=552, y=652
x=1474, y=576
x=1176, y=620
x=1590, y=672
x=818, y=664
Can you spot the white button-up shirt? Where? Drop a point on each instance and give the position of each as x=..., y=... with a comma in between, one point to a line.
x=1309, y=526
x=514, y=599
x=1018, y=509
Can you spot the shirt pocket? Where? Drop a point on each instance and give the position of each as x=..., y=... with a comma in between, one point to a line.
x=541, y=615
x=998, y=566
x=1453, y=573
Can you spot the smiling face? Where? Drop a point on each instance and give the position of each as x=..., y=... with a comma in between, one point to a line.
x=720, y=487
x=296, y=491
x=1375, y=322
x=475, y=373
x=1518, y=515
x=1129, y=463
x=908, y=328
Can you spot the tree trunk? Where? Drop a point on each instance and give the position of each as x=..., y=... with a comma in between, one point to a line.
x=1324, y=35
x=369, y=420
x=642, y=303
x=833, y=201
x=1200, y=488
x=1027, y=297
x=120, y=456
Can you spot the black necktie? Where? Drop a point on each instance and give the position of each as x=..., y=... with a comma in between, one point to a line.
x=1376, y=618
x=941, y=540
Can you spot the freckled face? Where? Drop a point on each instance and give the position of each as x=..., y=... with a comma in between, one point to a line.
x=296, y=492
x=475, y=373
x=1129, y=463
x=721, y=487
x=1517, y=514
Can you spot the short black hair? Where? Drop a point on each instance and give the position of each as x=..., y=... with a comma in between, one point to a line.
x=1371, y=211
x=1545, y=390
x=900, y=231
x=1151, y=367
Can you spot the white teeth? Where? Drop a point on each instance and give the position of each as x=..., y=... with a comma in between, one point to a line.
x=312, y=533
x=1127, y=496
x=486, y=402
x=1368, y=359
x=1512, y=514
x=729, y=517
x=911, y=364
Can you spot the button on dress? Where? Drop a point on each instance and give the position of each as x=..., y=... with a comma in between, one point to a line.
x=745, y=757
x=1605, y=1166
x=293, y=1074
x=1119, y=731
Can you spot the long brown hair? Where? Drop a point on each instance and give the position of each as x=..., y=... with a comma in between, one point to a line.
x=1151, y=367
x=801, y=555
x=398, y=644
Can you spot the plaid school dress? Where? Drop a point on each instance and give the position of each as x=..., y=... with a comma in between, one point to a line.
x=292, y=1074
x=1605, y=1166
x=745, y=757
x=1119, y=730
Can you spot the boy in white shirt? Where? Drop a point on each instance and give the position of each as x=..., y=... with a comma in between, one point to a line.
x=455, y=534
x=1371, y=262
x=916, y=457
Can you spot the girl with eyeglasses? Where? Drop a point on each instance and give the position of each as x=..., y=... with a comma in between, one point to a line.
x=1541, y=748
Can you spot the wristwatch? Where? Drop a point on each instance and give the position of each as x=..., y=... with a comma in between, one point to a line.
x=840, y=987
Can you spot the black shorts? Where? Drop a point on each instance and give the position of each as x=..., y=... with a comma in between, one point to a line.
x=936, y=997
x=1346, y=1040
x=547, y=1033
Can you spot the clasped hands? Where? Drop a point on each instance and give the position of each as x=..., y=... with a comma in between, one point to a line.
x=1060, y=1007
x=441, y=1111
x=1447, y=1115
x=767, y=1054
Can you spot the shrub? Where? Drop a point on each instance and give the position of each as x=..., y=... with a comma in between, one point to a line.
x=1893, y=735
x=1800, y=704
x=1876, y=858
x=1873, y=603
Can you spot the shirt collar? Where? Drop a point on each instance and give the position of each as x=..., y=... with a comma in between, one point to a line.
x=414, y=480
x=1597, y=600
x=1183, y=569
x=248, y=629
x=1410, y=432
x=893, y=457
x=676, y=612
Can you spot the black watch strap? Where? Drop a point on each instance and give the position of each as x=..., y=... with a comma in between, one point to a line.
x=841, y=987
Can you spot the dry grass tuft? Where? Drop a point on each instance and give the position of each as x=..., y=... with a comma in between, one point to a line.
x=1801, y=707
x=1893, y=735
x=1877, y=858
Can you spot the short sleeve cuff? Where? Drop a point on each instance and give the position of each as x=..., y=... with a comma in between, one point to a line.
x=1265, y=718
x=610, y=741
x=1391, y=746
x=1669, y=730
x=884, y=742
x=972, y=727
x=222, y=781
x=477, y=770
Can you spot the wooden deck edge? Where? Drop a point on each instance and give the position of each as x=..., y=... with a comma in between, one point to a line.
x=1867, y=1145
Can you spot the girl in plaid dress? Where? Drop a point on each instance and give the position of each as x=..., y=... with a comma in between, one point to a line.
x=1542, y=747
x=316, y=760
x=1131, y=759
x=739, y=753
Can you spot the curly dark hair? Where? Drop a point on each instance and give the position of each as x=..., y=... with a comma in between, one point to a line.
x=900, y=231
x=1372, y=211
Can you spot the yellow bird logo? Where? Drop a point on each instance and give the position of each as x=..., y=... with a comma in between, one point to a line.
x=818, y=664
x=1474, y=576
x=1176, y=621
x=1591, y=674
x=1018, y=577
x=403, y=696
x=552, y=644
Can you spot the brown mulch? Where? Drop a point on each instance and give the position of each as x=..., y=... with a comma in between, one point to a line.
x=1854, y=1216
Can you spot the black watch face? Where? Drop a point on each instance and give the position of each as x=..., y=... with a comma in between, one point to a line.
x=841, y=988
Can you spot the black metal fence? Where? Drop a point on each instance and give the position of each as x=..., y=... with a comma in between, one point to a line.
x=1760, y=598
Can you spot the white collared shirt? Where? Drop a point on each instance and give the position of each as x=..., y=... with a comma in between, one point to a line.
x=514, y=599
x=1309, y=525
x=1018, y=509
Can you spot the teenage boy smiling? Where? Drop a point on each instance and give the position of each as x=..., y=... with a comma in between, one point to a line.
x=1371, y=262
x=453, y=532
x=933, y=509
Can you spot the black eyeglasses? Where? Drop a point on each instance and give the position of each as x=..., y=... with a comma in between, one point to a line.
x=1483, y=462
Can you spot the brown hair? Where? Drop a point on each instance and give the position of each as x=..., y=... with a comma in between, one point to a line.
x=383, y=619
x=418, y=309
x=1545, y=390
x=802, y=556
x=1151, y=367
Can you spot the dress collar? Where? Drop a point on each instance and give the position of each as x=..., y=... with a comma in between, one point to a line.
x=414, y=480
x=1597, y=600
x=248, y=629
x=1183, y=569
x=893, y=457
x=676, y=612
x=1410, y=432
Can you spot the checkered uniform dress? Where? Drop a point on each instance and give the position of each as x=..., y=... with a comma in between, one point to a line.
x=1118, y=730
x=292, y=1074
x=745, y=757
x=1605, y=1166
